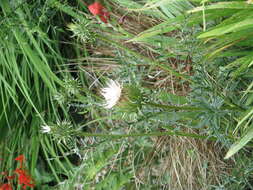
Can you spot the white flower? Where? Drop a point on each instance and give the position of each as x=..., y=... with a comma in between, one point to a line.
x=111, y=93
x=45, y=129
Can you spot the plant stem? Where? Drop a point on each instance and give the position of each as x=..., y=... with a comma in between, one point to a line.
x=176, y=108
x=169, y=133
x=188, y=108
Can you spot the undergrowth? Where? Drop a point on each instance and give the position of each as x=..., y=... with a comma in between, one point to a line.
x=183, y=73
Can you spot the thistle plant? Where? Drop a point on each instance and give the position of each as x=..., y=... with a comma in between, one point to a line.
x=130, y=98
x=60, y=97
x=111, y=93
x=45, y=129
x=82, y=31
x=71, y=88
x=61, y=130
x=127, y=98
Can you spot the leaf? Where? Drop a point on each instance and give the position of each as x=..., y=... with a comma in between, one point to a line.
x=249, y=99
x=164, y=27
x=135, y=6
x=248, y=114
x=114, y=181
x=172, y=98
x=240, y=144
x=176, y=23
x=235, y=27
x=170, y=8
x=224, y=5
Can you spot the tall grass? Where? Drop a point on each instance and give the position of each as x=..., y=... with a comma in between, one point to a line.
x=29, y=61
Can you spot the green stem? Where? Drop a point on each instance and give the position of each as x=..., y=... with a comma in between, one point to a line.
x=176, y=108
x=188, y=108
x=170, y=133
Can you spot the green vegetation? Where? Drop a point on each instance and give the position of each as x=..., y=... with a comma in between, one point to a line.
x=125, y=94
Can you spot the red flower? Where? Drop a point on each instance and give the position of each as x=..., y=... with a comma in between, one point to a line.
x=6, y=186
x=98, y=10
x=24, y=179
x=20, y=159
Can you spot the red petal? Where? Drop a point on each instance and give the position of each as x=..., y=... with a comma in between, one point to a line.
x=6, y=186
x=95, y=8
x=98, y=10
x=24, y=178
x=20, y=158
x=103, y=19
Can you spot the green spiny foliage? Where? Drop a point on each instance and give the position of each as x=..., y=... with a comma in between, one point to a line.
x=230, y=35
x=99, y=169
x=227, y=28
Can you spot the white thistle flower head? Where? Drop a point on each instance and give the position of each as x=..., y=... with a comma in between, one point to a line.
x=111, y=93
x=45, y=129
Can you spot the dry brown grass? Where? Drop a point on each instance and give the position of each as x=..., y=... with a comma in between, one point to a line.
x=191, y=164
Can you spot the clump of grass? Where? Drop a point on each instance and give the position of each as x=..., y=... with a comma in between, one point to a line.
x=192, y=164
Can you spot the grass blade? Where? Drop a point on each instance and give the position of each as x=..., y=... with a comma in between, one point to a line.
x=240, y=144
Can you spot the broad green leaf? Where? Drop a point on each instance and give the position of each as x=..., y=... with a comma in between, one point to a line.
x=135, y=6
x=251, y=63
x=230, y=53
x=235, y=27
x=170, y=8
x=240, y=144
x=176, y=23
x=249, y=99
x=176, y=8
x=155, y=4
x=239, y=71
x=224, y=5
x=248, y=114
x=164, y=27
x=172, y=98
